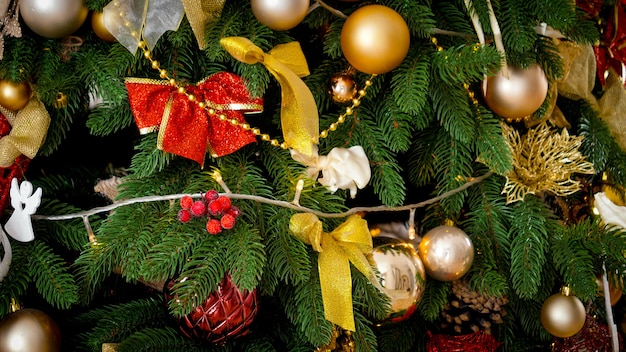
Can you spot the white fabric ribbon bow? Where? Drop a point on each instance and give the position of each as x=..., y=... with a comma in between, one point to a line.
x=341, y=169
x=610, y=212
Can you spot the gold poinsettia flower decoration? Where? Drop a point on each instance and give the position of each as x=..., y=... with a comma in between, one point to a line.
x=543, y=160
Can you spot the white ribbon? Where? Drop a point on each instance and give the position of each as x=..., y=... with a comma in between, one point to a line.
x=19, y=225
x=612, y=214
x=341, y=169
x=130, y=20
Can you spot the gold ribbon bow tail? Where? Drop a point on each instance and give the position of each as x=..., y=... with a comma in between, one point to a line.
x=29, y=127
x=201, y=13
x=299, y=114
x=348, y=243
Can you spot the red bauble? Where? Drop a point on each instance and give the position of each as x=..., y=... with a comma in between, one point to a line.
x=226, y=313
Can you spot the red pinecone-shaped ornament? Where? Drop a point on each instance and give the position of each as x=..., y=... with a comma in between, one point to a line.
x=226, y=313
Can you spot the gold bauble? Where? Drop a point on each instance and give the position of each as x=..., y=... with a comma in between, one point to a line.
x=280, y=15
x=447, y=253
x=53, y=19
x=99, y=27
x=615, y=293
x=29, y=330
x=375, y=39
x=342, y=88
x=563, y=316
x=14, y=96
x=518, y=96
x=402, y=273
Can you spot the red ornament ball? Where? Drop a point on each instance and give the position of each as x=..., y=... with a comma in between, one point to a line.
x=186, y=202
x=227, y=313
x=184, y=215
x=228, y=221
x=211, y=195
x=214, y=226
x=234, y=211
x=216, y=208
x=198, y=208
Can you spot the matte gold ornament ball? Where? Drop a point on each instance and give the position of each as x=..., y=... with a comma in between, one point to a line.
x=518, y=96
x=375, y=39
x=280, y=15
x=447, y=253
x=402, y=273
x=99, y=27
x=13, y=95
x=615, y=293
x=342, y=87
x=53, y=18
x=29, y=330
x=563, y=316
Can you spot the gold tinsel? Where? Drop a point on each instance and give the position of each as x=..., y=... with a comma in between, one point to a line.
x=543, y=160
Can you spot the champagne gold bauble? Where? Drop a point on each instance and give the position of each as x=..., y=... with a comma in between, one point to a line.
x=403, y=275
x=342, y=88
x=280, y=15
x=563, y=316
x=615, y=293
x=53, y=18
x=29, y=330
x=518, y=96
x=447, y=253
x=14, y=96
x=99, y=27
x=375, y=39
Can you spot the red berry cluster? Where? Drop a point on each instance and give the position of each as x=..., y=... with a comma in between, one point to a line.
x=221, y=214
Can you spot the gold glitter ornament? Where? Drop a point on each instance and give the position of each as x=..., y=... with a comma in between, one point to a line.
x=543, y=160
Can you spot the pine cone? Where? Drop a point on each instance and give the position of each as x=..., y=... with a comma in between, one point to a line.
x=470, y=311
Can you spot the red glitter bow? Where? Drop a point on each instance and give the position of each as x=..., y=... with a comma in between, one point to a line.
x=184, y=127
x=611, y=51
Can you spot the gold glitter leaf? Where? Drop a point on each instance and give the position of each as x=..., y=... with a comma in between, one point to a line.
x=543, y=160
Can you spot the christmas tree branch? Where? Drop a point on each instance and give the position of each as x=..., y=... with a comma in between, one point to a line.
x=172, y=197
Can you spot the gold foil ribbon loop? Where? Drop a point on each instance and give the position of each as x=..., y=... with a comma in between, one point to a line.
x=29, y=127
x=299, y=115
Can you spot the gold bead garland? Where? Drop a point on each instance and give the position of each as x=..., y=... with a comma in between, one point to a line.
x=222, y=117
x=466, y=86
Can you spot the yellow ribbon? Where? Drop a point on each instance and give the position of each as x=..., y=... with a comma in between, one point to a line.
x=348, y=243
x=29, y=127
x=201, y=13
x=286, y=62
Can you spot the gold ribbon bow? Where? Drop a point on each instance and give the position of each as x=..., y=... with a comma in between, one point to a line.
x=348, y=243
x=286, y=62
x=578, y=82
x=29, y=127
